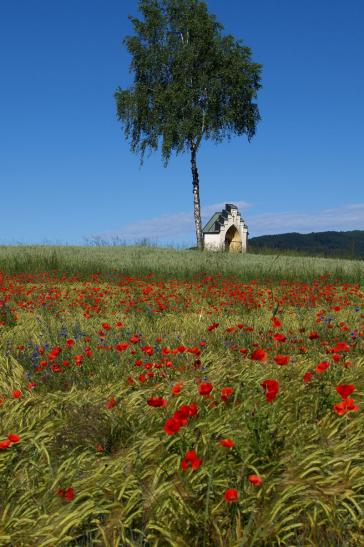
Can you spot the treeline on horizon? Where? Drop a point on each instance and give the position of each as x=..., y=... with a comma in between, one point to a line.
x=326, y=244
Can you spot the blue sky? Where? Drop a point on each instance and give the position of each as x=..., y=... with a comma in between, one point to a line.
x=66, y=171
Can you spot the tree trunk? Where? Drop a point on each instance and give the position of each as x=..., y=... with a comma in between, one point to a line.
x=196, y=199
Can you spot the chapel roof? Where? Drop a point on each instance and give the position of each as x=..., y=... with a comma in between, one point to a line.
x=218, y=219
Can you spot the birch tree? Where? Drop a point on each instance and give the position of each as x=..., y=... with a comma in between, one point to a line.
x=190, y=83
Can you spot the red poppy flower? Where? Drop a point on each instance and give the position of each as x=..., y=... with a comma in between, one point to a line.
x=282, y=359
x=231, y=495
x=5, y=444
x=176, y=389
x=13, y=437
x=321, y=367
x=122, y=346
x=259, y=355
x=255, y=479
x=172, y=426
x=110, y=403
x=16, y=394
x=276, y=322
x=192, y=409
x=279, y=337
x=226, y=392
x=205, y=389
x=271, y=388
x=228, y=443
x=307, y=377
x=341, y=346
x=67, y=494
x=157, y=401
x=345, y=390
x=313, y=335
x=345, y=406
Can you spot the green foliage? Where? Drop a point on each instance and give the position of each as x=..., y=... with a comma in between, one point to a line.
x=189, y=81
x=340, y=244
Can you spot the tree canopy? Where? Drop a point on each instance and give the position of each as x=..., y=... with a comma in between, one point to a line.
x=190, y=81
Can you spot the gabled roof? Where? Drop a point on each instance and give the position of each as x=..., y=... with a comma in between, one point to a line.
x=211, y=227
x=217, y=220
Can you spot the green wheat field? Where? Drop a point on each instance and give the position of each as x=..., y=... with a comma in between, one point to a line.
x=162, y=397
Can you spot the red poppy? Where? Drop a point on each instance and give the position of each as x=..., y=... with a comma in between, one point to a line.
x=67, y=494
x=307, y=377
x=176, y=389
x=313, y=335
x=16, y=394
x=345, y=406
x=226, y=392
x=271, y=388
x=279, y=337
x=122, y=346
x=259, y=355
x=205, y=389
x=321, y=367
x=13, y=437
x=345, y=390
x=276, y=322
x=231, y=495
x=255, y=479
x=110, y=403
x=282, y=359
x=172, y=426
x=192, y=409
x=228, y=443
x=341, y=346
x=5, y=444
x=157, y=401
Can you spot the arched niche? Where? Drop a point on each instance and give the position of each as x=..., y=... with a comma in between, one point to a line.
x=233, y=240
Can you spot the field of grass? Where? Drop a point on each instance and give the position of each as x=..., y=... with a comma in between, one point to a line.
x=157, y=397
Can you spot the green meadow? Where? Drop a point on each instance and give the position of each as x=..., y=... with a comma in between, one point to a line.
x=163, y=397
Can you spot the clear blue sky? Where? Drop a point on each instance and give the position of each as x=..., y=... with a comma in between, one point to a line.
x=66, y=170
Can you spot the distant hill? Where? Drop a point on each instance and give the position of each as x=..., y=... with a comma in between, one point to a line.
x=329, y=244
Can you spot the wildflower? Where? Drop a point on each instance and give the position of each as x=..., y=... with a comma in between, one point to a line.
x=345, y=406
x=205, y=389
x=231, y=495
x=228, y=443
x=307, y=377
x=226, y=392
x=172, y=426
x=345, y=390
x=279, y=337
x=313, y=335
x=176, y=389
x=276, y=322
x=191, y=460
x=13, y=437
x=67, y=494
x=321, y=367
x=282, y=359
x=16, y=394
x=157, y=401
x=5, y=444
x=110, y=403
x=255, y=479
x=259, y=355
x=122, y=346
x=271, y=388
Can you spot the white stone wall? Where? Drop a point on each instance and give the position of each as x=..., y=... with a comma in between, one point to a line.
x=216, y=242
